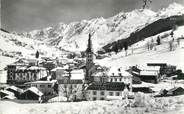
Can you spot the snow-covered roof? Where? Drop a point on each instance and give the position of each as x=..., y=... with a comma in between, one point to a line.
x=150, y=68
x=143, y=84
x=114, y=98
x=149, y=73
x=116, y=71
x=7, y=92
x=15, y=88
x=36, y=68
x=22, y=68
x=57, y=68
x=34, y=90
x=9, y=97
x=40, y=82
x=77, y=74
x=98, y=74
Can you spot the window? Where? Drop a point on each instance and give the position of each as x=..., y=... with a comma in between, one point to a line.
x=101, y=98
x=49, y=86
x=111, y=79
x=115, y=79
x=117, y=94
x=34, y=85
x=120, y=79
x=111, y=93
x=94, y=98
x=102, y=93
x=94, y=92
x=42, y=86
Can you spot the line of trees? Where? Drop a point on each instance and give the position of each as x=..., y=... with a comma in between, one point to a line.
x=120, y=46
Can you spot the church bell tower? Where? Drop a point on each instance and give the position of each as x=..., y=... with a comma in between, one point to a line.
x=89, y=60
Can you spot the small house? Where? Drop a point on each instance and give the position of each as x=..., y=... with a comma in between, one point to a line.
x=17, y=91
x=31, y=93
x=46, y=87
x=4, y=93
x=143, y=87
x=150, y=76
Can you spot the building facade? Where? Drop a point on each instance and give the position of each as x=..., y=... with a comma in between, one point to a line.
x=21, y=73
x=71, y=89
x=46, y=87
x=99, y=91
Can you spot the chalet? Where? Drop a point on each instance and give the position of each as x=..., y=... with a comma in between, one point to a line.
x=4, y=93
x=46, y=87
x=100, y=91
x=17, y=91
x=31, y=93
x=164, y=68
x=150, y=76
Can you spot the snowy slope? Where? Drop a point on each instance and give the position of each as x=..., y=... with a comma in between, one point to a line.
x=141, y=55
x=13, y=46
x=74, y=36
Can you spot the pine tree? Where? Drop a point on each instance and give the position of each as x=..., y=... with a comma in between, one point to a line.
x=158, y=40
x=115, y=48
x=125, y=45
x=37, y=54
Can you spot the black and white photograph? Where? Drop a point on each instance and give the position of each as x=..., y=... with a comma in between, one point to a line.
x=92, y=57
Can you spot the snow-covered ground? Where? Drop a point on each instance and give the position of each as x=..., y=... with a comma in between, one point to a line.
x=143, y=104
x=141, y=55
x=26, y=46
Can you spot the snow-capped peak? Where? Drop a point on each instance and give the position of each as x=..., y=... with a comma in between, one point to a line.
x=172, y=9
x=73, y=36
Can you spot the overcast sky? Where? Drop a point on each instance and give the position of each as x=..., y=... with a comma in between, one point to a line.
x=27, y=15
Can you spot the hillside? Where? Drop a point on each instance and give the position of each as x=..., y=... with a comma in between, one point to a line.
x=138, y=53
x=14, y=46
x=74, y=36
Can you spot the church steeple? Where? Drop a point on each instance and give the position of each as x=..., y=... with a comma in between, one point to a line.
x=89, y=60
x=89, y=46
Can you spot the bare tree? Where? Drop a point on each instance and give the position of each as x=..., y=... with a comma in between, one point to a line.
x=145, y=3
x=148, y=45
x=171, y=45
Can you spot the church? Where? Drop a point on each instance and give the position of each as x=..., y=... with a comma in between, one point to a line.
x=90, y=65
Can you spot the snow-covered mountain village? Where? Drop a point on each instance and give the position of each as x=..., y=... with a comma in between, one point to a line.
x=130, y=63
